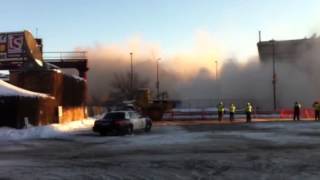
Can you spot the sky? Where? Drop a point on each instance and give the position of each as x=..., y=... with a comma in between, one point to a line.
x=173, y=25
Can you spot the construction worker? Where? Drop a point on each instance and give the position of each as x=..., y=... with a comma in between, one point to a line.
x=248, y=111
x=318, y=111
x=220, y=111
x=316, y=107
x=232, y=111
x=296, y=111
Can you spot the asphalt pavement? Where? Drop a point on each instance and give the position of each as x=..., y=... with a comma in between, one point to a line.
x=263, y=150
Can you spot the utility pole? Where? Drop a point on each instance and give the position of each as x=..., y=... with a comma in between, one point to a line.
x=158, y=82
x=259, y=36
x=36, y=32
x=274, y=76
x=217, y=84
x=131, y=74
x=216, y=69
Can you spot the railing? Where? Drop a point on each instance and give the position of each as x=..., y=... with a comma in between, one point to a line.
x=205, y=114
x=65, y=56
x=209, y=114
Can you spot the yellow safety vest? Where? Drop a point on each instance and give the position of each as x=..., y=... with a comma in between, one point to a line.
x=220, y=108
x=233, y=108
x=249, y=108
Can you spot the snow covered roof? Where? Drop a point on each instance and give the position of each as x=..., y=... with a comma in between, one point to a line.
x=7, y=89
x=78, y=78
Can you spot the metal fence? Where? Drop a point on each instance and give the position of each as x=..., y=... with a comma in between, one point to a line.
x=65, y=56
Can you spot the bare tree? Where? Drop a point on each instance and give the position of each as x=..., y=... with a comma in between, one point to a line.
x=121, y=86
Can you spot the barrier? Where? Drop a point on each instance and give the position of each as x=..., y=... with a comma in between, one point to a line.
x=305, y=113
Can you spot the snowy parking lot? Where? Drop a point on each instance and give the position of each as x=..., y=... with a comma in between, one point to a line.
x=265, y=150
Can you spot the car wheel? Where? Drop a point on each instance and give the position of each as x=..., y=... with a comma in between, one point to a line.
x=148, y=127
x=103, y=133
x=130, y=130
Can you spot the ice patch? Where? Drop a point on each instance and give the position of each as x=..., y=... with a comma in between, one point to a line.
x=170, y=135
x=281, y=133
x=174, y=135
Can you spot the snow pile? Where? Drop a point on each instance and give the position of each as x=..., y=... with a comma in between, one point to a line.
x=49, y=131
x=7, y=89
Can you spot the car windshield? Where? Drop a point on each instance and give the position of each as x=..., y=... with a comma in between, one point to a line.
x=114, y=116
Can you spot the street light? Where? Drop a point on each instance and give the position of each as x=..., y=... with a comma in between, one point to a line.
x=274, y=76
x=217, y=83
x=131, y=73
x=216, y=69
x=158, y=82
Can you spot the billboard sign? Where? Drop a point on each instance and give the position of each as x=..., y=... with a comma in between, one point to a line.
x=12, y=46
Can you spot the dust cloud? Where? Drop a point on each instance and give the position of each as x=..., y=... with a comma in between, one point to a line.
x=191, y=76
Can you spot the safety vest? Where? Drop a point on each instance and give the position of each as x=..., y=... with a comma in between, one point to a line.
x=249, y=108
x=220, y=108
x=317, y=107
x=233, y=108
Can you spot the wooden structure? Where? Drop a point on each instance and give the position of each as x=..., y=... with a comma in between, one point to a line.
x=69, y=92
x=19, y=107
x=22, y=55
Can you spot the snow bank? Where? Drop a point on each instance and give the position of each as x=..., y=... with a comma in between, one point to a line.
x=49, y=131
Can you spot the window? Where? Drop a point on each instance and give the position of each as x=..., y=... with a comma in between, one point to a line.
x=133, y=115
x=115, y=116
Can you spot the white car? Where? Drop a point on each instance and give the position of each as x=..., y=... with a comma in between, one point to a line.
x=122, y=122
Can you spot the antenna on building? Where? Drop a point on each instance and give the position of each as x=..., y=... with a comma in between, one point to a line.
x=259, y=36
x=36, y=32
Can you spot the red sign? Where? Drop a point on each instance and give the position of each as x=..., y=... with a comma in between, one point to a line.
x=15, y=43
x=11, y=46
